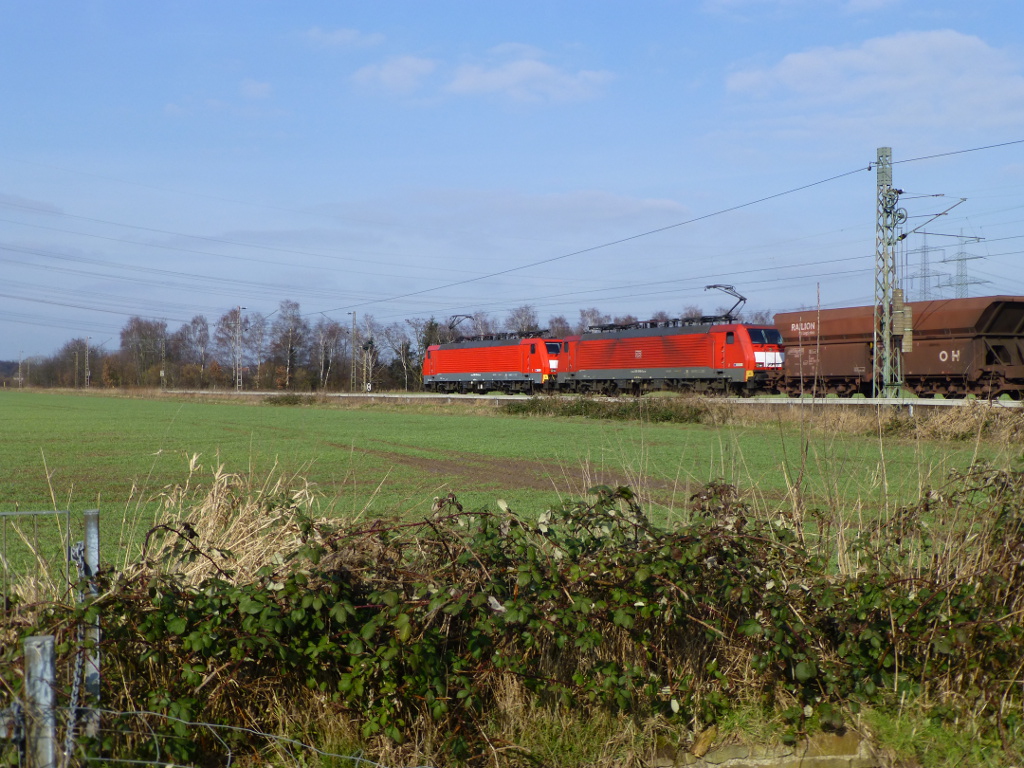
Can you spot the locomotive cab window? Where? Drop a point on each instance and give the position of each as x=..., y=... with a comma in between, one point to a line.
x=730, y=337
x=553, y=347
x=765, y=336
x=533, y=349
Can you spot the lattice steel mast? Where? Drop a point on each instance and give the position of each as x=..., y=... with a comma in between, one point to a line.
x=892, y=316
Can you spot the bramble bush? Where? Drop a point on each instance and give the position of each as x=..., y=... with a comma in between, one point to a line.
x=428, y=636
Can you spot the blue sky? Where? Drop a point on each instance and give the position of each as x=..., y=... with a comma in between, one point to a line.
x=408, y=159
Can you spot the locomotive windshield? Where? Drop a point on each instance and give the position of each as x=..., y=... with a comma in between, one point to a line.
x=553, y=347
x=765, y=336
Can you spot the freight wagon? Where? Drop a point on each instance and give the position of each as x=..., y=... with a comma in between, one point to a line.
x=958, y=347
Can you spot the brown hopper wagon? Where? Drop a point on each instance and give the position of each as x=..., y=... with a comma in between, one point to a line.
x=959, y=347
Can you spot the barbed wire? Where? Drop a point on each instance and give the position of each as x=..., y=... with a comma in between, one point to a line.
x=214, y=729
x=157, y=739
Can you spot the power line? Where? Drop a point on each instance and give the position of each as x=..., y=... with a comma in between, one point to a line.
x=217, y=240
x=958, y=152
x=608, y=244
x=670, y=226
x=177, y=249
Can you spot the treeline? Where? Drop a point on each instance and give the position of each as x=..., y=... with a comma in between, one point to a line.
x=282, y=350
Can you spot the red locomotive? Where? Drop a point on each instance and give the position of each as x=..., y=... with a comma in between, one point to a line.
x=502, y=362
x=709, y=354
x=675, y=354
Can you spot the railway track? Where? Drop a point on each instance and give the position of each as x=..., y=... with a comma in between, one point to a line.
x=905, y=403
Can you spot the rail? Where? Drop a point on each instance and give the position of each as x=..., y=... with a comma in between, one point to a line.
x=770, y=401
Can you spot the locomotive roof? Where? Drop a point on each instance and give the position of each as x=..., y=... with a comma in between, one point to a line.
x=493, y=340
x=679, y=322
x=542, y=333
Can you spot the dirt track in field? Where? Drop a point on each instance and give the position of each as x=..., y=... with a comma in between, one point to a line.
x=463, y=471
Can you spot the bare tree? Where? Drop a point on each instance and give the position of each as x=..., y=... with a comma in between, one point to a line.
x=692, y=312
x=522, y=319
x=65, y=368
x=143, y=345
x=589, y=317
x=425, y=332
x=229, y=342
x=255, y=340
x=224, y=332
x=198, y=336
x=661, y=316
x=289, y=343
x=396, y=338
x=189, y=348
x=482, y=324
x=559, y=326
x=369, y=352
x=625, y=319
x=759, y=317
x=328, y=339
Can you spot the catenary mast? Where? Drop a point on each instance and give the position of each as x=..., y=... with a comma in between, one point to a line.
x=892, y=317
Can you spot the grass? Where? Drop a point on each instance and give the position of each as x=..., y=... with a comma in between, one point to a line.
x=120, y=454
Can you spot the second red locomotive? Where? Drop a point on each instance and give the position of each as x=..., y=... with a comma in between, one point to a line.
x=676, y=354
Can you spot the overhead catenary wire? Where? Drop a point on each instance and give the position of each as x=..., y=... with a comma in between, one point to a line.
x=658, y=230
x=957, y=152
x=370, y=300
x=608, y=244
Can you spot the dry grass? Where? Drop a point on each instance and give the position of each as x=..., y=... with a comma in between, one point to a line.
x=975, y=420
x=235, y=522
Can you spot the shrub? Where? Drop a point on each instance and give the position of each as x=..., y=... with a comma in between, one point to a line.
x=429, y=637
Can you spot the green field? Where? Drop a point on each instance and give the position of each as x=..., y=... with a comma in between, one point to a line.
x=71, y=451
x=86, y=451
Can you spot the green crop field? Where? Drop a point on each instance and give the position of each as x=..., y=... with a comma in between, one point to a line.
x=120, y=454
x=80, y=451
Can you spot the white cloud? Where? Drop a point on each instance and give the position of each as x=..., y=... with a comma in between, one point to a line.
x=253, y=89
x=526, y=78
x=343, y=38
x=939, y=78
x=402, y=74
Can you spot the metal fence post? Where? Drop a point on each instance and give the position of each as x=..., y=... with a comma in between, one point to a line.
x=41, y=720
x=91, y=720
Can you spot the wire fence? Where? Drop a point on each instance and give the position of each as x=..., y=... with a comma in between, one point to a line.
x=56, y=720
x=33, y=553
x=156, y=739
